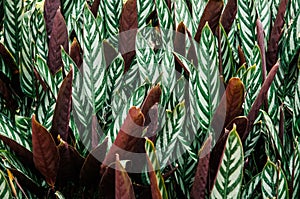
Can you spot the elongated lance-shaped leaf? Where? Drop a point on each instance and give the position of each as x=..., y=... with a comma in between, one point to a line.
x=230, y=174
x=12, y=26
x=182, y=14
x=292, y=11
x=229, y=15
x=144, y=7
x=123, y=185
x=249, y=188
x=70, y=9
x=94, y=78
x=145, y=58
x=273, y=182
x=168, y=73
x=156, y=179
x=254, y=81
x=26, y=66
x=50, y=7
x=45, y=153
x=295, y=168
x=296, y=109
x=228, y=65
x=252, y=138
x=247, y=19
x=5, y=191
x=44, y=72
x=112, y=10
x=291, y=43
x=273, y=103
x=172, y=141
x=264, y=12
x=59, y=37
x=165, y=22
x=205, y=79
x=61, y=117
x=198, y=8
x=275, y=138
x=39, y=34
x=114, y=75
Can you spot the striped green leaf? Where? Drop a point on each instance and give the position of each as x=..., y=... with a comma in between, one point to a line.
x=273, y=103
x=94, y=79
x=5, y=191
x=27, y=79
x=273, y=182
x=72, y=9
x=112, y=10
x=39, y=34
x=145, y=58
x=151, y=153
x=274, y=137
x=182, y=14
x=144, y=8
x=205, y=79
x=292, y=11
x=165, y=21
x=264, y=13
x=230, y=175
x=198, y=8
x=295, y=170
x=249, y=188
x=247, y=21
x=12, y=26
x=168, y=76
x=172, y=141
x=252, y=139
x=8, y=130
x=296, y=109
x=227, y=57
x=45, y=74
x=253, y=81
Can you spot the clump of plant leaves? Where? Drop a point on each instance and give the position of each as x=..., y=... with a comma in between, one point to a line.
x=63, y=69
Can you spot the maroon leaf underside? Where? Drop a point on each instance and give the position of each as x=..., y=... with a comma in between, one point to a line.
x=275, y=35
x=45, y=153
x=123, y=185
x=155, y=193
x=179, y=41
x=95, y=7
x=201, y=176
x=59, y=37
x=50, y=8
x=211, y=14
x=75, y=53
x=128, y=21
x=61, y=117
x=228, y=15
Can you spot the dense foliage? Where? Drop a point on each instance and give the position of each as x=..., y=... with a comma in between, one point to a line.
x=72, y=96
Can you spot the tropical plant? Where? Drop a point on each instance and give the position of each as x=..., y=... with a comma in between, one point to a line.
x=85, y=86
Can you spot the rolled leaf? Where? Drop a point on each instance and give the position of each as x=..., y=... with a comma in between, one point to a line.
x=228, y=15
x=50, y=7
x=61, y=117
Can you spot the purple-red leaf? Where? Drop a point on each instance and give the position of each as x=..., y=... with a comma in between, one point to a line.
x=201, y=176
x=75, y=53
x=241, y=123
x=50, y=8
x=242, y=56
x=261, y=44
x=211, y=14
x=45, y=153
x=59, y=37
x=89, y=173
x=234, y=99
x=228, y=15
x=61, y=117
x=128, y=21
x=276, y=35
x=260, y=99
x=179, y=41
x=123, y=185
x=69, y=165
x=95, y=7
x=7, y=94
x=152, y=98
x=127, y=138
